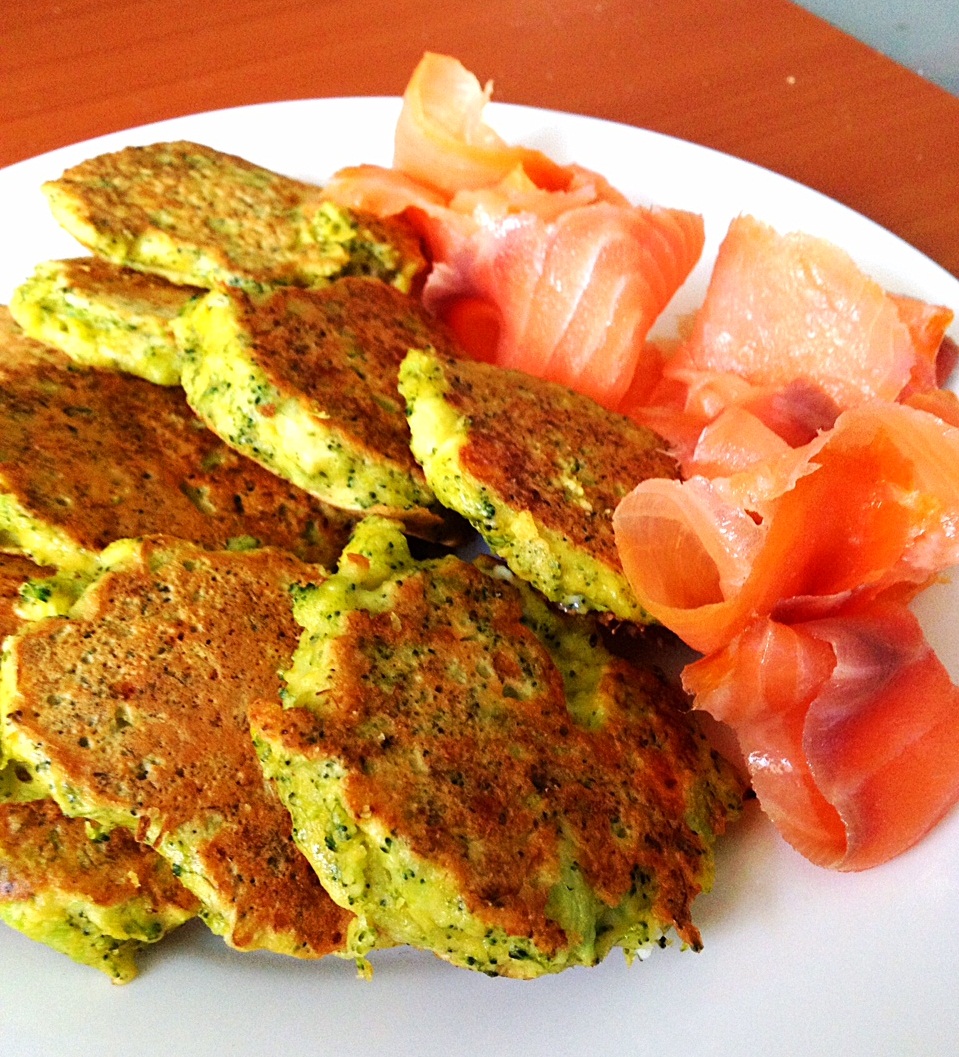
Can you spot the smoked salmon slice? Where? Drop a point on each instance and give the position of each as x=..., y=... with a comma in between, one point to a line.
x=576, y=296
x=734, y=441
x=870, y=504
x=537, y=267
x=943, y=403
x=684, y=406
x=927, y=325
x=385, y=192
x=442, y=140
x=792, y=332
x=782, y=307
x=849, y=726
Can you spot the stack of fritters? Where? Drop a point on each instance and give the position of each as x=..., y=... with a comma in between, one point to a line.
x=133, y=713
x=443, y=758
x=87, y=457
x=97, y=901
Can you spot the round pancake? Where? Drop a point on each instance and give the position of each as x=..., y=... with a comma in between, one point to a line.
x=96, y=901
x=134, y=712
x=105, y=316
x=197, y=216
x=472, y=773
x=87, y=457
x=537, y=469
x=305, y=382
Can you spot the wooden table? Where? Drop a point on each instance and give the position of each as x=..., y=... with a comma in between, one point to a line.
x=761, y=79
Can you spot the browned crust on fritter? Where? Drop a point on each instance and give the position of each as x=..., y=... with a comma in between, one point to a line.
x=110, y=282
x=105, y=456
x=480, y=774
x=122, y=194
x=649, y=764
x=338, y=351
x=15, y=571
x=527, y=434
x=141, y=705
x=41, y=849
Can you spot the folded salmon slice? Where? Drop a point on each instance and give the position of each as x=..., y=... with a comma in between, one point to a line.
x=781, y=307
x=734, y=441
x=943, y=403
x=537, y=267
x=385, y=192
x=576, y=296
x=927, y=325
x=794, y=332
x=870, y=504
x=442, y=140
x=849, y=725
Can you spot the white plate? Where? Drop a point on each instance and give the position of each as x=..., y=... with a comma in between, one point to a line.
x=798, y=960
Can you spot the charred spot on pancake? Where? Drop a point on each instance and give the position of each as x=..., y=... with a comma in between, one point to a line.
x=198, y=216
x=536, y=468
x=472, y=773
x=305, y=381
x=96, y=900
x=134, y=712
x=88, y=457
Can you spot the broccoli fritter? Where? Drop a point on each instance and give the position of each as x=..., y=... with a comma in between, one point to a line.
x=103, y=315
x=88, y=457
x=97, y=901
x=133, y=711
x=304, y=381
x=537, y=469
x=200, y=217
x=473, y=773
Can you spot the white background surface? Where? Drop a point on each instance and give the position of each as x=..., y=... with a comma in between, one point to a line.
x=920, y=34
x=798, y=961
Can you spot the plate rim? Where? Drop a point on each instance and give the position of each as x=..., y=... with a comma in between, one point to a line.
x=91, y=991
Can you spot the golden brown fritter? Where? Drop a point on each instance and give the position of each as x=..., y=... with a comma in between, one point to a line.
x=134, y=711
x=305, y=382
x=87, y=457
x=103, y=315
x=536, y=468
x=198, y=216
x=475, y=774
x=97, y=901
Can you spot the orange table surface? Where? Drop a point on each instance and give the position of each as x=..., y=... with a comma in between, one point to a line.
x=760, y=79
